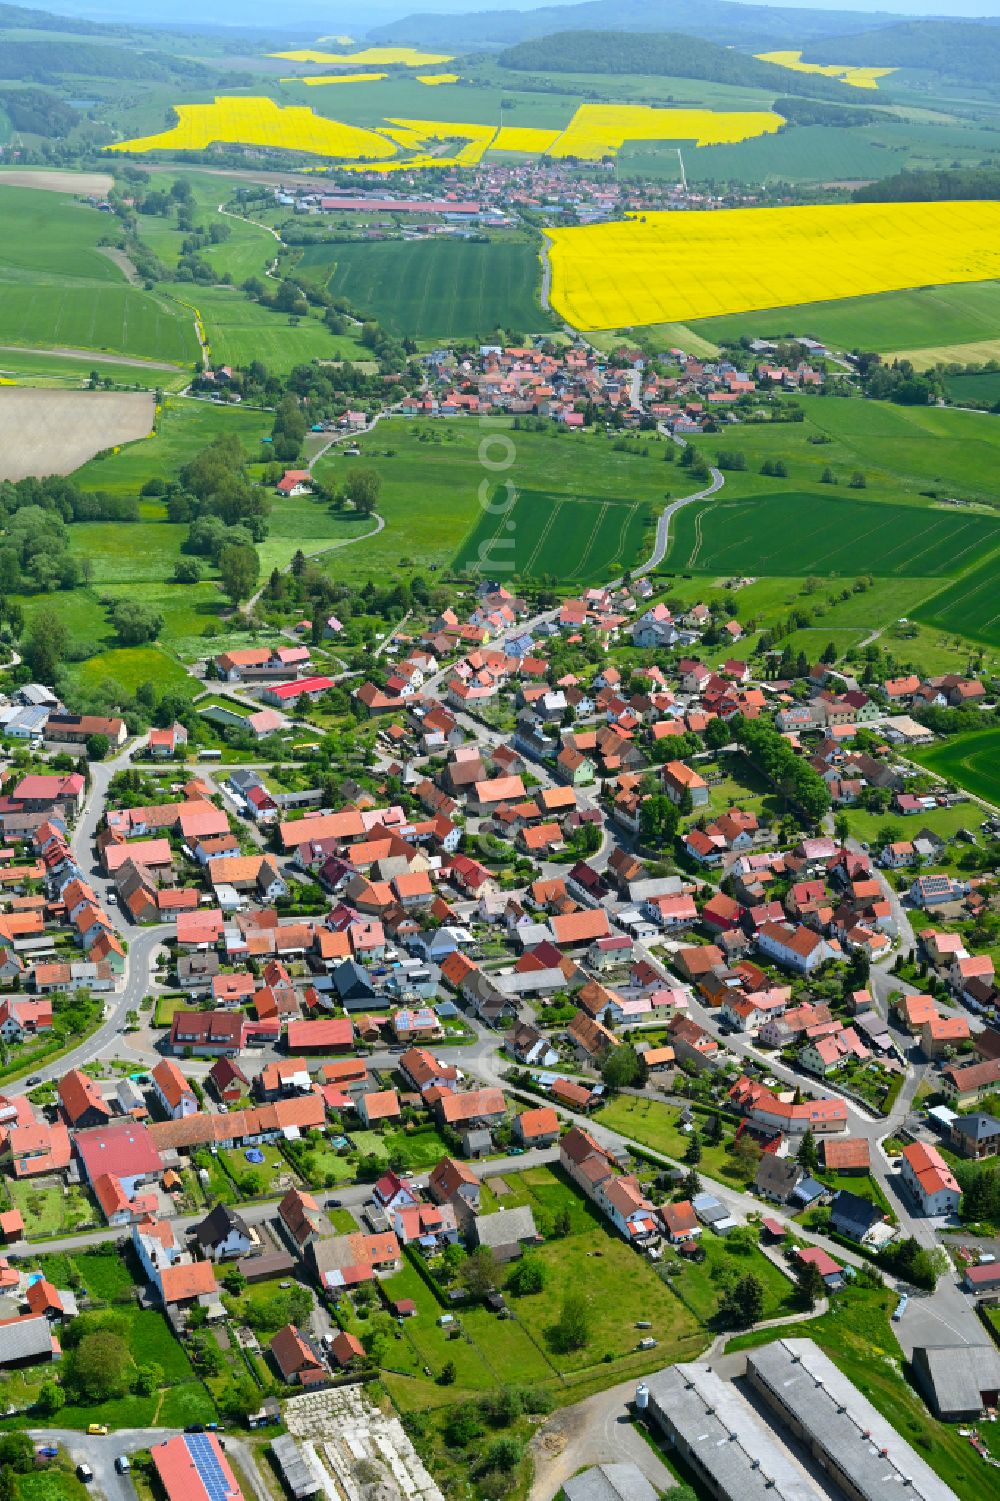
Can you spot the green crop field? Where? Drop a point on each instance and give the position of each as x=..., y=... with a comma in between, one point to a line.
x=812, y=153
x=435, y=289
x=58, y=288
x=958, y=314
x=970, y=606
x=562, y=537
x=982, y=387
x=802, y=533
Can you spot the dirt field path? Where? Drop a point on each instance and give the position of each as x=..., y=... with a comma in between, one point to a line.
x=93, y=356
x=54, y=432
x=88, y=184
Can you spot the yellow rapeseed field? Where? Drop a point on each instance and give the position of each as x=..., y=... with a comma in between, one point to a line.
x=527, y=138
x=598, y=130
x=318, y=78
x=415, y=135
x=406, y=57
x=435, y=78
x=858, y=78
x=674, y=267
x=261, y=122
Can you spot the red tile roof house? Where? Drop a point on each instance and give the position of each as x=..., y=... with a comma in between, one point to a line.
x=173, y=1090
x=296, y=1359
x=346, y=1348
x=125, y=1150
x=81, y=1101
x=930, y=1180
x=181, y=1479
x=680, y=1222
x=538, y=1127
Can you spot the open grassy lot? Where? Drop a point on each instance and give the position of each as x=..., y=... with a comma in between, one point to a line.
x=813, y=533
x=437, y=477
x=945, y=822
x=49, y=1485
x=857, y=1336
x=60, y=290
x=700, y=1284
x=655, y=1124
x=620, y=1289
x=543, y=535
x=887, y=321
x=435, y=289
x=970, y=761
x=128, y=666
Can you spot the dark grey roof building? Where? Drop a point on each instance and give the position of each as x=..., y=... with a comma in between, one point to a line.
x=730, y=1449
x=849, y=1437
x=620, y=1482
x=959, y=1381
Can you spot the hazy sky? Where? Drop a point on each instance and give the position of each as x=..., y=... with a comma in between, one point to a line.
x=327, y=14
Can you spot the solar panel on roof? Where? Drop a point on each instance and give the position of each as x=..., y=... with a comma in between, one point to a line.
x=206, y=1462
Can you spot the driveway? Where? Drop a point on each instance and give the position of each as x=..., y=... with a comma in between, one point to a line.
x=597, y=1431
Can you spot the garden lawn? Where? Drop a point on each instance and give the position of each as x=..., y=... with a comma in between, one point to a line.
x=49, y=1485
x=274, y=1169
x=49, y=1211
x=547, y=1192
x=971, y=761
x=655, y=1125
x=945, y=822
x=166, y=1008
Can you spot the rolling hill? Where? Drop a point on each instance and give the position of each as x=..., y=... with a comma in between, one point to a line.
x=964, y=51
x=661, y=54
x=759, y=27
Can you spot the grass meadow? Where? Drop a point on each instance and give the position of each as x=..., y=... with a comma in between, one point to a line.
x=436, y=289
x=432, y=501
x=884, y=322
